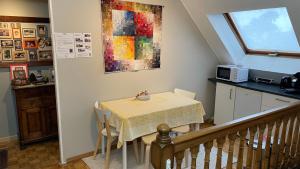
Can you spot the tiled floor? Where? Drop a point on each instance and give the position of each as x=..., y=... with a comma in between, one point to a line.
x=42, y=156
x=39, y=156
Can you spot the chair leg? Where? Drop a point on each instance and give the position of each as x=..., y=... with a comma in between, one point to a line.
x=107, y=159
x=103, y=146
x=136, y=150
x=142, y=151
x=147, y=157
x=99, y=140
x=186, y=158
x=197, y=127
x=192, y=127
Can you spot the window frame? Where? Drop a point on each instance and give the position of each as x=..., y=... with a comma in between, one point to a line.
x=249, y=51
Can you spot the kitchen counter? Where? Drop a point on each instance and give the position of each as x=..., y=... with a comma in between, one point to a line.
x=33, y=86
x=262, y=87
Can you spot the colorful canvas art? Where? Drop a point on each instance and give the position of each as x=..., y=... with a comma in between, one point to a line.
x=131, y=35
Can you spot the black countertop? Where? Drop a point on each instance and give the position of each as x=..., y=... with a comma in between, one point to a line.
x=267, y=88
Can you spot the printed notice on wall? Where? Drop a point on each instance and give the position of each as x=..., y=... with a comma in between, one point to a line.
x=64, y=45
x=83, y=44
x=73, y=45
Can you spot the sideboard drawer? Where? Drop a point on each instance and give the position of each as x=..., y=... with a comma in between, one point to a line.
x=28, y=93
x=30, y=102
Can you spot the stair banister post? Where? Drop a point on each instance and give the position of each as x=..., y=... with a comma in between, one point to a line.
x=162, y=148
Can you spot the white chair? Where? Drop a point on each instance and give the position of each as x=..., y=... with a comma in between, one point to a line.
x=147, y=140
x=185, y=93
x=105, y=130
x=186, y=128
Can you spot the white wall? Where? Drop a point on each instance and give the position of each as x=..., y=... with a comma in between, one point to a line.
x=186, y=62
x=230, y=52
x=32, y=8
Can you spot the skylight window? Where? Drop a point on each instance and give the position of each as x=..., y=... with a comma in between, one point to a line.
x=265, y=31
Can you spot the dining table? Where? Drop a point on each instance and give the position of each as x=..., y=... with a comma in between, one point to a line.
x=134, y=118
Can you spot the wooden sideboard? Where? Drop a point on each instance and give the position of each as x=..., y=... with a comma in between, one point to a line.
x=37, y=116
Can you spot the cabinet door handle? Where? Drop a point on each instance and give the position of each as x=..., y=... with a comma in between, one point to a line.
x=285, y=101
x=230, y=94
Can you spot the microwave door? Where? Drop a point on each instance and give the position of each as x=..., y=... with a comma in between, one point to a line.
x=223, y=73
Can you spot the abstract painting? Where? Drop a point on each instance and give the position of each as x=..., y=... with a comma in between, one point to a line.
x=132, y=35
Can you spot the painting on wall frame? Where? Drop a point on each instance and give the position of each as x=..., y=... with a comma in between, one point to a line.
x=132, y=35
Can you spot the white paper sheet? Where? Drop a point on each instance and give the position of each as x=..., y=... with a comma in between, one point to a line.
x=64, y=45
x=83, y=44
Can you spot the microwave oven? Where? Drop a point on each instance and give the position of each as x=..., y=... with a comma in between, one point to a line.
x=232, y=73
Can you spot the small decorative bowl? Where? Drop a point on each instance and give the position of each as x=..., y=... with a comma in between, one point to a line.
x=143, y=97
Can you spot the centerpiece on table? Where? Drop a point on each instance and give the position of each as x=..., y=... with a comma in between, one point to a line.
x=143, y=96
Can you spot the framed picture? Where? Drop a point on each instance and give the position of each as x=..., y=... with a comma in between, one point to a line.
x=1, y=55
x=16, y=33
x=44, y=43
x=3, y=25
x=13, y=25
x=7, y=43
x=5, y=33
x=18, y=45
x=42, y=30
x=19, y=75
x=7, y=55
x=15, y=71
x=32, y=55
x=29, y=33
x=30, y=44
x=20, y=56
x=44, y=55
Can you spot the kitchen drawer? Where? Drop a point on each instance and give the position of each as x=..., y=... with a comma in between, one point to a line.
x=265, y=108
x=274, y=101
x=30, y=103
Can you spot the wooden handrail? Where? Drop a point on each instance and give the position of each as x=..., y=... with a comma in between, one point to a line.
x=280, y=125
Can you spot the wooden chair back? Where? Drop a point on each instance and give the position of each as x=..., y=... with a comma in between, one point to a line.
x=102, y=118
x=185, y=93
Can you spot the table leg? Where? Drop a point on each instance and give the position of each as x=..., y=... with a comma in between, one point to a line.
x=125, y=155
x=136, y=150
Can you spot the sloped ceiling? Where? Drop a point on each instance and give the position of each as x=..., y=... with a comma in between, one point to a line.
x=200, y=10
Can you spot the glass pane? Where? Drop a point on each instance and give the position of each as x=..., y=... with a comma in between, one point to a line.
x=266, y=29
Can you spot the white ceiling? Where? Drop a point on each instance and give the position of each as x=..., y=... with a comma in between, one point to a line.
x=200, y=10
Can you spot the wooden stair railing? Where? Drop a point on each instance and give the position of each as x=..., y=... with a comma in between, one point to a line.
x=265, y=140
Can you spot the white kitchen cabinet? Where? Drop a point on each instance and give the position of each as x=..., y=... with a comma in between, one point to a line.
x=247, y=102
x=271, y=101
x=224, y=105
x=234, y=102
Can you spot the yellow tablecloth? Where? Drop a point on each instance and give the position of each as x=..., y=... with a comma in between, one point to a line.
x=133, y=118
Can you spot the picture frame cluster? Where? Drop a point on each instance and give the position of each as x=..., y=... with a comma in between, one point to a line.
x=24, y=42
